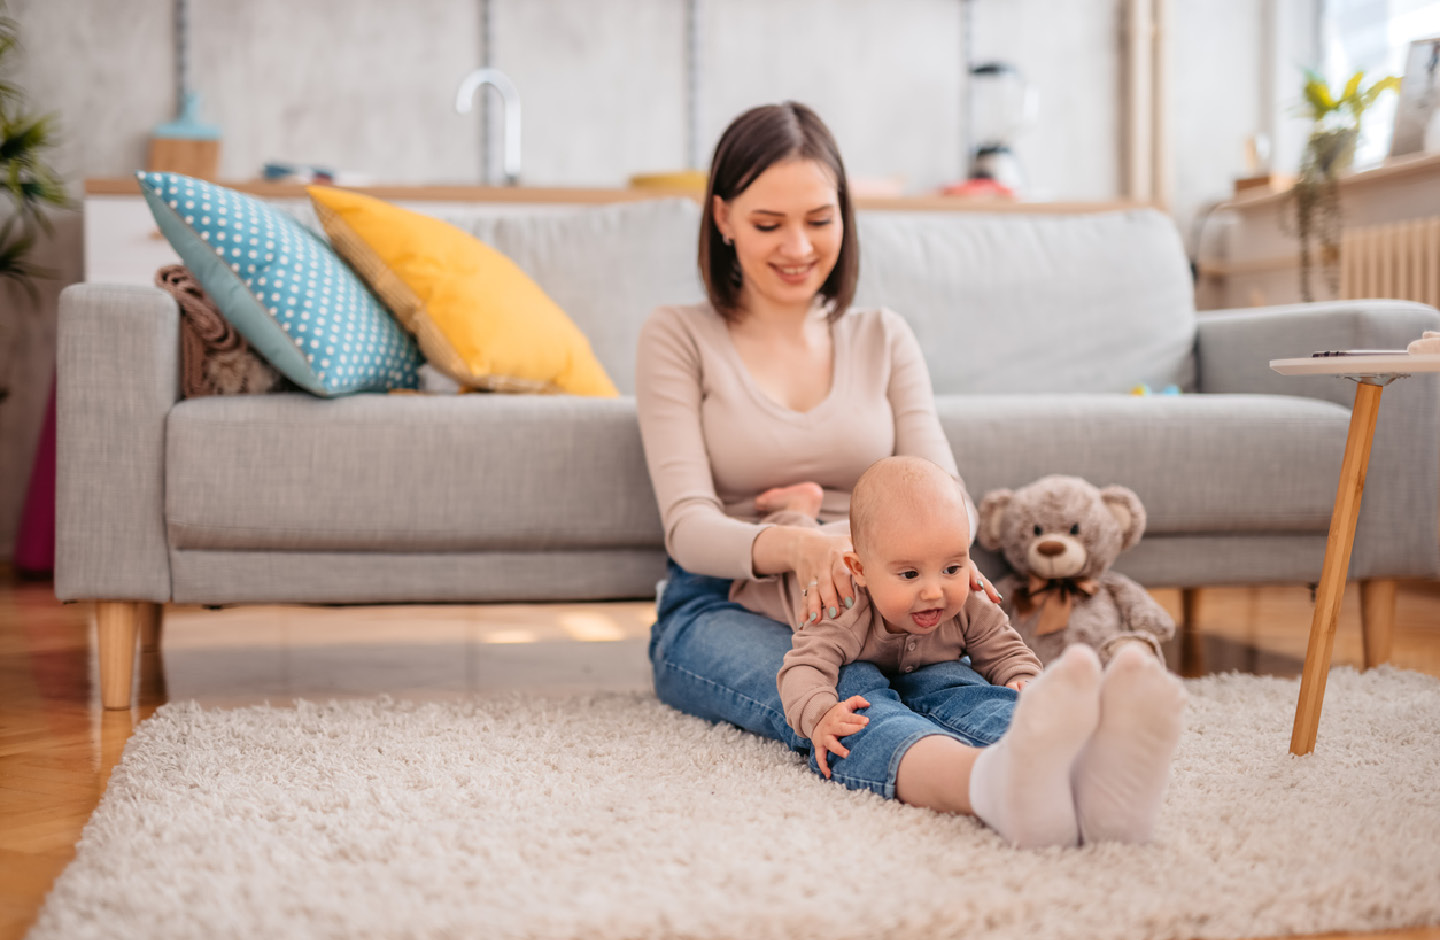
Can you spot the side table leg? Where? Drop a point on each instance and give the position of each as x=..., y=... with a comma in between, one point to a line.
x=1331, y=589
x=1377, y=620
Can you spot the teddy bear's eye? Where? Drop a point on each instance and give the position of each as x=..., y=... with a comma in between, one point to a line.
x=1075, y=529
x=1039, y=530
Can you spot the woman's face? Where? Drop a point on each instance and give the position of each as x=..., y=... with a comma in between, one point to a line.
x=787, y=230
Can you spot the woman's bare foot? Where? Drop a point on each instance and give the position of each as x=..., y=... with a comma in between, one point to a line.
x=802, y=498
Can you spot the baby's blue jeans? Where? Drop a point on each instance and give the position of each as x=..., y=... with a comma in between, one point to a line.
x=716, y=660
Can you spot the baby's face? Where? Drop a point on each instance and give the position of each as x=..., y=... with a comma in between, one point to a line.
x=916, y=566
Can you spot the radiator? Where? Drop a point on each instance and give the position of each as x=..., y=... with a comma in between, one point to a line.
x=1397, y=260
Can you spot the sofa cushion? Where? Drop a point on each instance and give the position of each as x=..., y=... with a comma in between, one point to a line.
x=283, y=288
x=1036, y=303
x=1200, y=463
x=609, y=267
x=402, y=473
x=478, y=318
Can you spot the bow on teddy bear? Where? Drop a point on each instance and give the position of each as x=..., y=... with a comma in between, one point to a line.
x=1060, y=536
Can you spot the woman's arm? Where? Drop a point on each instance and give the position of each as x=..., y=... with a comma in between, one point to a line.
x=917, y=426
x=668, y=395
x=912, y=401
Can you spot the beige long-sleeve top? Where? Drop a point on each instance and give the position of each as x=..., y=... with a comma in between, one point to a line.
x=812, y=667
x=714, y=440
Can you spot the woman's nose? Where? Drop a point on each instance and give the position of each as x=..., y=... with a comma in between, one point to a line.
x=797, y=243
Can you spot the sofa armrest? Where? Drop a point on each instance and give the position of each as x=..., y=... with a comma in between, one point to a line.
x=117, y=376
x=1233, y=348
x=1398, y=534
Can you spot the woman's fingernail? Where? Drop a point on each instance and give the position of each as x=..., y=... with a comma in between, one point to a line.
x=831, y=611
x=849, y=602
x=813, y=617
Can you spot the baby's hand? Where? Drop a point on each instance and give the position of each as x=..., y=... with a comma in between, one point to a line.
x=1017, y=684
x=839, y=721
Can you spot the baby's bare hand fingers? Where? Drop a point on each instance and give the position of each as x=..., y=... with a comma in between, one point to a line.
x=857, y=701
x=820, y=754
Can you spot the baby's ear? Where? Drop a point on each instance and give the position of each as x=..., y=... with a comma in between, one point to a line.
x=1127, y=509
x=857, y=570
x=992, y=513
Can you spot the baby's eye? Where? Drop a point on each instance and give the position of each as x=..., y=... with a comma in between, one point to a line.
x=1039, y=530
x=1075, y=529
x=909, y=575
x=952, y=570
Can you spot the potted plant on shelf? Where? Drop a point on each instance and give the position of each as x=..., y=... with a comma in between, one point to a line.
x=28, y=182
x=1311, y=209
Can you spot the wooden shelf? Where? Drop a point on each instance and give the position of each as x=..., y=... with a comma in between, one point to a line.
x=579, y=195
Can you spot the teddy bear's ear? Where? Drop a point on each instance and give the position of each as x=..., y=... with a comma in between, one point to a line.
x=1127, y=509
x=992, y=513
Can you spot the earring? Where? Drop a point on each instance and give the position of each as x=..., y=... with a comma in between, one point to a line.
x=729, y=242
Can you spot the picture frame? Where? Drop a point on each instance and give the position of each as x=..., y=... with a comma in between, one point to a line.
x=1419, y=100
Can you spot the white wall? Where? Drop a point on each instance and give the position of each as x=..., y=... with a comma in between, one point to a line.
x=369, y=85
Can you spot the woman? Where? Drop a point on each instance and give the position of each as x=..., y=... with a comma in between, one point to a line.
x=774, y=382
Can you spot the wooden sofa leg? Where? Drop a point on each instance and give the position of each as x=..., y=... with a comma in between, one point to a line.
x=150, y=621
x=118, y=625
x=1377, y=620
x=1192, y=655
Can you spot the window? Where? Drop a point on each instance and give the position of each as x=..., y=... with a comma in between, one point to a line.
x=1373, y=35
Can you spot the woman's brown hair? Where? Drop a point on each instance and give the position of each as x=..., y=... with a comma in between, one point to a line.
x=754, y=142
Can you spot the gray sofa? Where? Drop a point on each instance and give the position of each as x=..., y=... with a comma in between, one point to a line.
x=1034, y=326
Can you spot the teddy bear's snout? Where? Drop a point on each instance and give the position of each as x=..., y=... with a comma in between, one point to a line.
x=1056, y=556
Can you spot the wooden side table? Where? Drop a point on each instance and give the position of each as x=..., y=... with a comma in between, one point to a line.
x=1371, y=374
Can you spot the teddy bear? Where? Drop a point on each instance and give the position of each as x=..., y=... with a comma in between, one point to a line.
x=1060, y=535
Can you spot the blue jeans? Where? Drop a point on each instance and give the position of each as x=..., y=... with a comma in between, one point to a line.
x=716, y=660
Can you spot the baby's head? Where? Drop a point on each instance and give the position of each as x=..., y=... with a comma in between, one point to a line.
x=912, y=542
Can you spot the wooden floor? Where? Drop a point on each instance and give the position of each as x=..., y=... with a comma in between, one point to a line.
x=57, y=746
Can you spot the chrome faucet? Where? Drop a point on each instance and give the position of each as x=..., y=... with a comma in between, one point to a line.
x=510, y=109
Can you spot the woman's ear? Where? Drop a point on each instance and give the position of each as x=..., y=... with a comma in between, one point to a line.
x=857, y=570
x=721, y=210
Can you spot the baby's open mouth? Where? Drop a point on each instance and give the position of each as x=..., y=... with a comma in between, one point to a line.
x=927, y=619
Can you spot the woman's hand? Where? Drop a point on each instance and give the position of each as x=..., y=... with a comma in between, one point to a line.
x=819, y=565
x=978, y=582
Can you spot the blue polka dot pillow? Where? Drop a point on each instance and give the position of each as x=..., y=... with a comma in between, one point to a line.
x=283, y=288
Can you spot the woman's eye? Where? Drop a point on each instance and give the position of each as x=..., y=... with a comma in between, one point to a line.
x=1039, y=530
x=1075, y=529
x=766, y=228
x=818, y=223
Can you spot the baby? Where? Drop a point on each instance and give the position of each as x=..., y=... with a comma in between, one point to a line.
x=911, y=560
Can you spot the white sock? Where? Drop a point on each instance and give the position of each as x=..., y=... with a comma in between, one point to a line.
x=1121, y=775
x=1020, y=786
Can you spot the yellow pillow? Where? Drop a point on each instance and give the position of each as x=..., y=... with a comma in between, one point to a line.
x=477, y=317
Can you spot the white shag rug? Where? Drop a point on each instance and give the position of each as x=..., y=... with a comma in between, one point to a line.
x=613, y=816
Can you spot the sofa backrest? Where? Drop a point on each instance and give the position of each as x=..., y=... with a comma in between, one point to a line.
x=1001, y=302
x=607, y=267
x=1031, y=303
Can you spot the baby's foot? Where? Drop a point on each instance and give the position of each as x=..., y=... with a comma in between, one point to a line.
x=1120, y=777
x=1020, y=786
x=802, y=498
